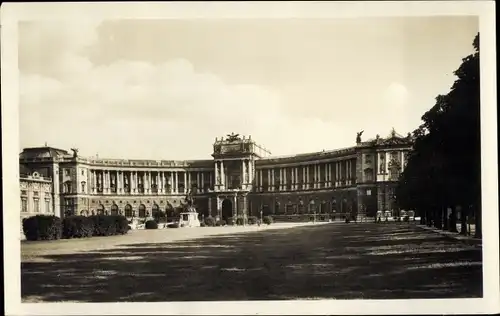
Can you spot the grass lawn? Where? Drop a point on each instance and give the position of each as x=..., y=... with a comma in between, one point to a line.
x=329, y=261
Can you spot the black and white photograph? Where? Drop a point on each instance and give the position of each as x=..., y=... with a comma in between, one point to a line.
x=337, y=157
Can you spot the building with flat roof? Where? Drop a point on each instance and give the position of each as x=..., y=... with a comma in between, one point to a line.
x=241, y=179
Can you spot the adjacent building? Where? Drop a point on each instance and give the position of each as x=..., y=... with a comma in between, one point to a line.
x=241, y=179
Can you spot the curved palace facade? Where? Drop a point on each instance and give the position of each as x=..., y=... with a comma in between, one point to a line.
x=241, y=179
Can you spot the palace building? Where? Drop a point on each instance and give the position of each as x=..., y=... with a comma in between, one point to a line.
x=241, y=179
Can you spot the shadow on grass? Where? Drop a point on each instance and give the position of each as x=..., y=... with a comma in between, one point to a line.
x=351, y=261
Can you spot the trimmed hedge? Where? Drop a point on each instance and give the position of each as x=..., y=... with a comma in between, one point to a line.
x=210, y=221
x=220, y=223
x=108, y=225
x=252, y=220
x=77, y=227
x=151, y=224
x=267, y=220
x=42, y=227
x=240, y=221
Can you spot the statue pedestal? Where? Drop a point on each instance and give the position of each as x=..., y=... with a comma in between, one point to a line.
x=189, y=219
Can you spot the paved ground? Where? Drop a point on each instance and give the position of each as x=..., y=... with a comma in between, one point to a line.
x=339, y=261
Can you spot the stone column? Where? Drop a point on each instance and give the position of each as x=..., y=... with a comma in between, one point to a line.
x=222, y=176
x=202, y=178
x=209, y=206
x=285, y=180
x=216, y=173
x=119, y=184
x=176, y=181
x=261, y=174
x=94, y=182
x=272, y=177
x=235, y=206
x=136, y=182
x=243, y=175
x=108, y=182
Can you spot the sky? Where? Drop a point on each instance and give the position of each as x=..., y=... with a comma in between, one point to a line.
x=165, y=89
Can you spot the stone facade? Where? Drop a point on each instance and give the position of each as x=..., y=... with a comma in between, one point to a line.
x=241, y=179
x=37, y=196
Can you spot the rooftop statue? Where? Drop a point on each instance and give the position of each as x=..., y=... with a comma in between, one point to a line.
x=358, y=137
x=233, y=137
x=75, y=152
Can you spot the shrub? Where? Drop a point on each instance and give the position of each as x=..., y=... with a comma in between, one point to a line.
x=220, y=223
x=202, y=224
x=42, y=227
x=240, y=221
x=107, y=225
x=210, y=221
x=347, y=219
x=151, y=224
x=406, y=218
x=77, y=227
x=267, y=220
x=231, y=221
x=252, y=220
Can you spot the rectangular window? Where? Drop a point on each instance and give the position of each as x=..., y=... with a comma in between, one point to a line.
x=66, y=172
x=47, y=206
x=36, y=205
x=24, y=205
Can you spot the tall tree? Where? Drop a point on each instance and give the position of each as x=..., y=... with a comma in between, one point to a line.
x=444, y=169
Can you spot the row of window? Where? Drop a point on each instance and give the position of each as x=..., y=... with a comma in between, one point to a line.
x=36, y=206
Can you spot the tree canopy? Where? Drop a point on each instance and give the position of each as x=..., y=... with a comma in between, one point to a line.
x=444, y=168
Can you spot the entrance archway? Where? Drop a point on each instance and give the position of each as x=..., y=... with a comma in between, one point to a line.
x=227, y=209
x=114, y=209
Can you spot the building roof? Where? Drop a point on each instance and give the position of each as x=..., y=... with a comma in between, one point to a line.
x=42, y=152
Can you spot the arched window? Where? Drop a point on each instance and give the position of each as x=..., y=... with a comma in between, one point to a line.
x=155, y=210
x=142, y=210
x=301, y=207
x=101, y=210
x=334, y=205
x=323, y=207
x=114, y=209
x=128, y=211
x=83, y=186
x=67, y=187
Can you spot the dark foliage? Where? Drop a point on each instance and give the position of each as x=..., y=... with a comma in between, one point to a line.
x=151, y=224
x=77, y=227
x=210, y=221
x=444, y=168
x=268, y=220
x=221, y=223
x=252, y=220
x=42, y=227
x=108, y=225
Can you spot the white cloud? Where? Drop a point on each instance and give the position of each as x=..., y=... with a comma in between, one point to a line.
x=137, y=109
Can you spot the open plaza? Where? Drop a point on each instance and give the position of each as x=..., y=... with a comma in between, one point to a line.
x=276, y=262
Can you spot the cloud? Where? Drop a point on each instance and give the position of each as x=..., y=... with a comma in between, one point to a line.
x=168, y=110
